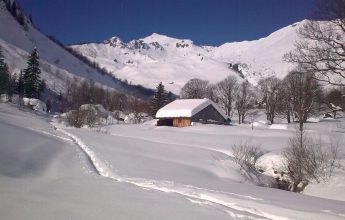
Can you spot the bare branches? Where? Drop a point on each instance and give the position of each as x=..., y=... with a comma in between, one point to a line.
x=246, y=155
x=270, y=89
x=194, y=89
x=321, y=50
x=303, y=90
x=227, y=90
x=244, y=101
x=307, y=160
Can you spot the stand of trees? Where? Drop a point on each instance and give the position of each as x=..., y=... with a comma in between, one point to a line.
x=296, y=98
x=27, y=83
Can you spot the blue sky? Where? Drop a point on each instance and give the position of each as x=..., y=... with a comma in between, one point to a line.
x=206, y=22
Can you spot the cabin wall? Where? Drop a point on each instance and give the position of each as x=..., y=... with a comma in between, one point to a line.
x=182, y=122
x=165, y=122
x=208, y=113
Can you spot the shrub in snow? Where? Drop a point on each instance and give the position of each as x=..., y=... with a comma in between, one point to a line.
x=246, y=156
x=308, y=160
x=35, y=104
x=84, y=115
x=135, y=118
x=91, y=115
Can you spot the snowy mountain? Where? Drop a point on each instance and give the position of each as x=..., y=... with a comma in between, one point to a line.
x=57, y=64
x=158, y=58
x=155, y=59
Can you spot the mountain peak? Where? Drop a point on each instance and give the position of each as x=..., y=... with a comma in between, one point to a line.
x=114, y=41
x=157, y=38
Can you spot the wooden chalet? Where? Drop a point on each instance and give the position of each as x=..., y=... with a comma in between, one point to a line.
x=182, y=112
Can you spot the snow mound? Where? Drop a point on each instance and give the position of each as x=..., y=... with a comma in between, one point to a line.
x=278, y=126
x=271, y=163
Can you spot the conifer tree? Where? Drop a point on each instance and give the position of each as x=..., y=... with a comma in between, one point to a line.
x=31, y=78
x=4, y=75
x=160, y=98
x=20, y=85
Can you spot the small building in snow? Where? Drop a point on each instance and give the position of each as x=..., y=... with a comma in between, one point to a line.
x=182, y=112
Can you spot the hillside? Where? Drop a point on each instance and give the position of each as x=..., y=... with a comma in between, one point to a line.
x=57, y=64
x=158, y=58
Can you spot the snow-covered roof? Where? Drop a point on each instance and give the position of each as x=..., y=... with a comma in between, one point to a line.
x=186, y=108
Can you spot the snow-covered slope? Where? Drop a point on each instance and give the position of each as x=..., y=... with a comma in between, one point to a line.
x=155, y=59
x=158, y=58
x=44, y=175
x=58, y=65
x=263, y=57
x=148, y=172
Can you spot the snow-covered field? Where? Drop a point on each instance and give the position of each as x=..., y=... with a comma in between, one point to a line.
x=49, y=171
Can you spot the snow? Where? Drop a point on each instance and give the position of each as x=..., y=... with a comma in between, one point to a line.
x=58, y=66
x=44, y=175
x=278, y=126
x=174, y=66
x=148, y=172
x=186, y=108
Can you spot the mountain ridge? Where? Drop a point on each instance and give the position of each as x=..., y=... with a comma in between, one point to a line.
x=160, y=58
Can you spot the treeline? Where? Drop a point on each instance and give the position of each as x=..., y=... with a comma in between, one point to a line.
x=80, y=92
x=297, y=97
x=27, y=83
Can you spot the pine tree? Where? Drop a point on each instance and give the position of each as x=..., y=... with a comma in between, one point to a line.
x=31, y=78
x=4, y=75
x=160, y=98
x=20, y=85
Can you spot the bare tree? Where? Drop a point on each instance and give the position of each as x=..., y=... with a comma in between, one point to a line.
x=303, y=91
x=285, y=106
x=227, y=90
x=270, y=88
x=307, y=160
x=194, y=89
x=321, y=48
x=244, y=101
x=211, y=92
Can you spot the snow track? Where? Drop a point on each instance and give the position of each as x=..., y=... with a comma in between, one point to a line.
x=230, y=203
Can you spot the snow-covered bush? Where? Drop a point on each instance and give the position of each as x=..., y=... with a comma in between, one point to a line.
x=35, y=104
x=4, y=98
x=84, y=115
